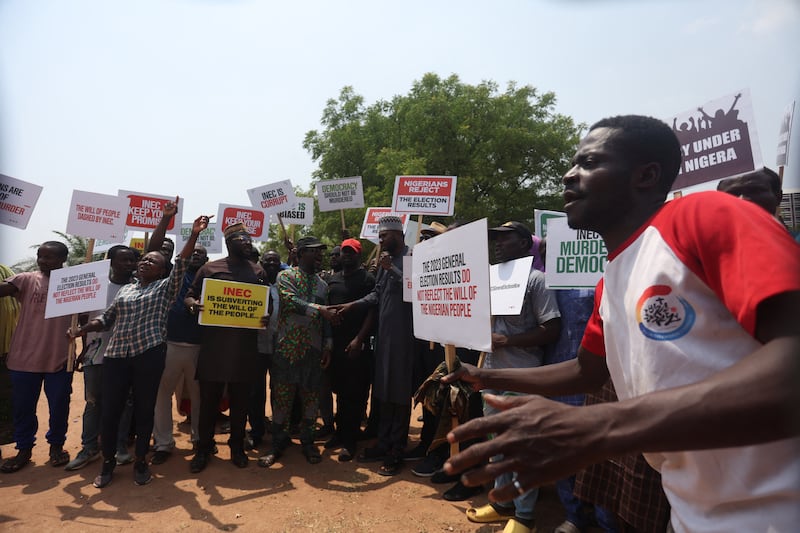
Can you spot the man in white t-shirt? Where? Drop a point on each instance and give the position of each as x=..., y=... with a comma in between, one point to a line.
x=698, y=330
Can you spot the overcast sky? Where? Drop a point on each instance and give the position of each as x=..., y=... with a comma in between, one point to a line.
x=206, y=99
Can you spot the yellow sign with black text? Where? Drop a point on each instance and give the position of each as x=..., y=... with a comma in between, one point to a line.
x=232, y=304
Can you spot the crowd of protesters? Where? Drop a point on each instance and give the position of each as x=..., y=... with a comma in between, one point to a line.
x=711, y=408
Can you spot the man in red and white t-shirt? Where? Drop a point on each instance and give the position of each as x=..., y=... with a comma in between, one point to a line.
x=695, y=320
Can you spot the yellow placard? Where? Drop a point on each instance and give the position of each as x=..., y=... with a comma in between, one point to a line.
x=232, y=304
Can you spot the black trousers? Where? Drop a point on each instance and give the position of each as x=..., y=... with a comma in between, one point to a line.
x=393, y=427
x=238, y=399
x=143, y=374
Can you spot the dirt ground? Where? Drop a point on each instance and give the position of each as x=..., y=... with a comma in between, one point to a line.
x=290, y=496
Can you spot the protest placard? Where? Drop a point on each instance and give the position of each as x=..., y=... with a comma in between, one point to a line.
x=784, y=134
x=77, y=289
x=369, y=228
x=345, y=193
x=102, y=246
x=145, y=210
x=576, y=259
x=424, y=195
x=232, y=304
x=17, y=200
x=508, y=283
x=450, y=284
x=253, y=220
x=273, y=197
x=97, y=216
x=718, y=140
x=302, y=214
x=541, y=216
x=208, y=238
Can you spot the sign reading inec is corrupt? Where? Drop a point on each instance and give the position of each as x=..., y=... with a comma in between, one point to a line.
x=450, y=286
x=273, y=197
x=424, y=195
x=576, y=259
x=344, y=193
x=718, y=140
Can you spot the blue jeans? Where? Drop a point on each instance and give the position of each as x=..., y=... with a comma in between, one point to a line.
x=92, y=412
x=26, y=387
x=524, y=504
x=579, y=512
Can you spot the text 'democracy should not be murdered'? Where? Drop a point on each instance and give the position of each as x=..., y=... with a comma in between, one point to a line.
x=450, y=285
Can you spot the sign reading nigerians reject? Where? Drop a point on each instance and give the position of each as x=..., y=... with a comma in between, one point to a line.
x=450, y=284
x=232, y=304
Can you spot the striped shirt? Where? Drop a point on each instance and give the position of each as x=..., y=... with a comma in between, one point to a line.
x=139, y=314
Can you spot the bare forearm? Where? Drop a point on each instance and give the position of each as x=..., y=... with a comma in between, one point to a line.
x=569, y=377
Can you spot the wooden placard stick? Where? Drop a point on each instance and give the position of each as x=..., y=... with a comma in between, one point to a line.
x=450, y=360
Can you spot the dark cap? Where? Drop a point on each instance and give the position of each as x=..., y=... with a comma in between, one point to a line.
x=309, y=242
x=517, y=227
x=234, y=229
x=353, y=244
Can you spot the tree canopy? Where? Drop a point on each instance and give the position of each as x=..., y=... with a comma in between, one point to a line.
x=509, y=149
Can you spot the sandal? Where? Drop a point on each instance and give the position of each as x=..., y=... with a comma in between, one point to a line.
x=58, y=456
x=489, y=513
x=15, y=463
x=312, y=454
x=391, y=467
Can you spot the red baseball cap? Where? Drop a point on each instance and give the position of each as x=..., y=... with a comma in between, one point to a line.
x=355, y=244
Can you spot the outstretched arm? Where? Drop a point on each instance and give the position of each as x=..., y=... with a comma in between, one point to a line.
x=748, y=403
x=160, y=231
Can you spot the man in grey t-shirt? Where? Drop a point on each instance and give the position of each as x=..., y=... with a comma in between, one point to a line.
x=518, y=342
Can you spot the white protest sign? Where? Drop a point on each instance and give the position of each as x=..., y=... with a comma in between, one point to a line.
x=344, y=193
x=508, y=282
x=576, y=259
x=450, y=282
x=718, y=140
x=97, y=216
x=253, y=220
x=101, y=245
x=541, y=217
x=273, y=197
x=408, y=287
x=302, y=214
x=424, y=195
x=77, y=289
x=369, y=228
x=784, y=134
x=17, y=200
x=207, y=238
x=146, y=210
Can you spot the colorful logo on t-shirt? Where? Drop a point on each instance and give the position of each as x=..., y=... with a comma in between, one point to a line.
x=663, y=316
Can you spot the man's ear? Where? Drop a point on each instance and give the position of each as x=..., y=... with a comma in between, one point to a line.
x=647, y=176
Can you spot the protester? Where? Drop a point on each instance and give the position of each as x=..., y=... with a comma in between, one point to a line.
x=123, y=264
x=228, y=358
x=698, y=333
x=256, y=411
x=393, y=380
x=137, y=349
x=38, y=357
x=761, y=187
x=517, y=342
x=180, y=365
x=302, y=351
x=351, y=361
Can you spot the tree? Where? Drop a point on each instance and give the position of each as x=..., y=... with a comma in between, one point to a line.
x=509, y=150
